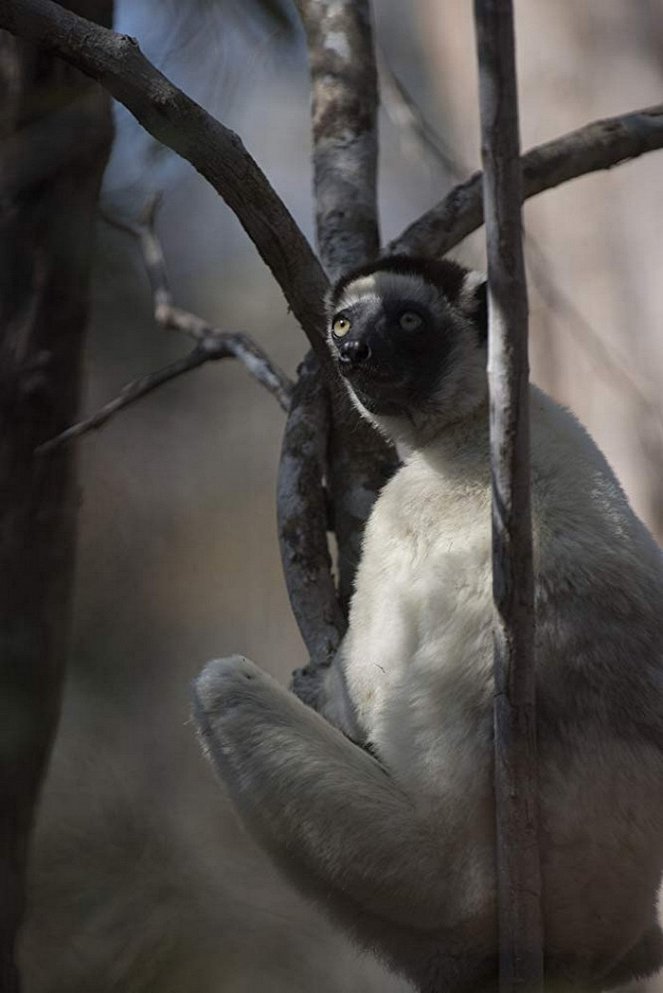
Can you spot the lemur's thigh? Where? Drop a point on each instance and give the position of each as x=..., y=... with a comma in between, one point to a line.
x=326, y=810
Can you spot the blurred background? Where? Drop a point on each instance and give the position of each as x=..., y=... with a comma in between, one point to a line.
x=142, y=879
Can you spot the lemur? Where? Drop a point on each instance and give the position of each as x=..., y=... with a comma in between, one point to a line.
x=396, y=839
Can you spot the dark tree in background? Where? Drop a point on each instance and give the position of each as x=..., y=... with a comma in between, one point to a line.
x=55, y=136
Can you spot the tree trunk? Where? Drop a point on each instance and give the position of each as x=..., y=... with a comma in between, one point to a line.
x=55, y=135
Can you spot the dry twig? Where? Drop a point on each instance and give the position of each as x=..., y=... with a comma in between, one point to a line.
x=211, y=343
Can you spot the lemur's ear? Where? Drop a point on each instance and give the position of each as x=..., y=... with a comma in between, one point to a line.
x=473, y=302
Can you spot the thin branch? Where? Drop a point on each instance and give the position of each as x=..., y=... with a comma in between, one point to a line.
x=302, y=518
x=216, y=345
x=345, y=145
x=599, y=145
x=211, y=343
x=176, y=120
x=516, y=789
x=166, y=313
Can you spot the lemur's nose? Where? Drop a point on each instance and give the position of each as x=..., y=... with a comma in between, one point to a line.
x=353, y=353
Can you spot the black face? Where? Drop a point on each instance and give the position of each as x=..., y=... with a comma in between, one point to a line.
x=391, y=352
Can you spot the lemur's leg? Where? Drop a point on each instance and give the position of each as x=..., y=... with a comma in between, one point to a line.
x=325, y=809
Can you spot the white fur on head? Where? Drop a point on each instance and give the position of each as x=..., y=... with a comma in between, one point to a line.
x=462, y=388
x=385, y=285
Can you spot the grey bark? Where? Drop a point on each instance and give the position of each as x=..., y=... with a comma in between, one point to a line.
x=303, y=521
x=516, y=793
x=46, y=226
x=344, y=102
x=345, y=148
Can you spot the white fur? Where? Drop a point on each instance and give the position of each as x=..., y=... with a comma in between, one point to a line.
x=471, y=284
x=404, y=856
x=381, y=285
x=418, y=664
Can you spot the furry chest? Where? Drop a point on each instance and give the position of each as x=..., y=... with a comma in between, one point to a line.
x=430, y=623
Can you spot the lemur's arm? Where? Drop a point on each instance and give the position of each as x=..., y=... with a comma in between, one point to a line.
x=325, y=809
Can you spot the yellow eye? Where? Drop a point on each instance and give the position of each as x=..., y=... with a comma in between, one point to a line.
x=341, y=326
x=410, y=321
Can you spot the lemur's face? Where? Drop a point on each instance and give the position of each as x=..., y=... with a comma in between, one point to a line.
x=390, y=347
x=396, y=337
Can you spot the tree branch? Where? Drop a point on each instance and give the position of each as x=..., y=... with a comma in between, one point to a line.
x=46, y=236
x=516, y=788
x=344, y=109
x=212, y=344
x=302, y=519
x=599, y=145
x=181, y=124
x=406, y=113
x=176, y=120
x=345, y=145
x=215, y=345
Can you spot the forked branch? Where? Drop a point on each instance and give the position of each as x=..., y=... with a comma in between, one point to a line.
x=218, y=154
x=211, y=343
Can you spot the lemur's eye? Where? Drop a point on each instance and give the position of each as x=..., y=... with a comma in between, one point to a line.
x=341, y=326
x=410, y=321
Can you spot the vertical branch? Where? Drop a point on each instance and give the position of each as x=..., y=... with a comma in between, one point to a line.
x=344, y=103
x=302, y=520
x=47, y=213
x=345, y=150
x=519, y=872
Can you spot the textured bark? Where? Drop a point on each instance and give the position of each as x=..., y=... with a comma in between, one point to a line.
x=344, y=102
x=302, y=518
x=345, y=148
x=516, y=794
x=47, y=210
